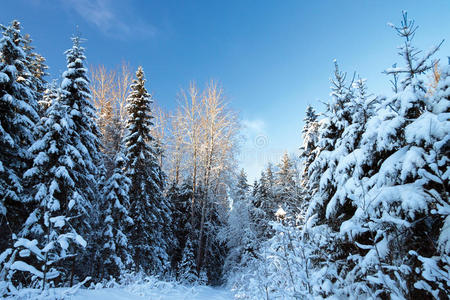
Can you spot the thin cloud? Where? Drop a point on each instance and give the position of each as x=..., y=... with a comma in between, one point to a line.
x=254, y=134
x=256, y=126
x=101, y=14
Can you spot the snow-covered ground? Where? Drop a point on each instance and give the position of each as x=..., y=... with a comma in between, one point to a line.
x=146, y=289
x=180, y=293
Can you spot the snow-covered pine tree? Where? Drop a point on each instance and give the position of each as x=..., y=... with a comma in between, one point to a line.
x=50, y=231
x=76, y=94
x=114, y=249
x=19, y=116
x=149, y=209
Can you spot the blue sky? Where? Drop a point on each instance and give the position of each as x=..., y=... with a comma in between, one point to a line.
x=273, y=58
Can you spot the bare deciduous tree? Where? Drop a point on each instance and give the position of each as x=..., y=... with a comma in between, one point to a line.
x=160, y=132
x=201, y=144
x=109, y=93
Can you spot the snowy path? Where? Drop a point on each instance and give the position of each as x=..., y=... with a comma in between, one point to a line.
x=178, y=293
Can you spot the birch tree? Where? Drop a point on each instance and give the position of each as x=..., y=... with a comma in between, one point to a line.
x=110, y=88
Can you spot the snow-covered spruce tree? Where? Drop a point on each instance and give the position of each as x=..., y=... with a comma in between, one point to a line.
x=114, y=251
x=256, y=213
x=149, y=209
x=439, y=161
x=340, y=206
x=337, y=118
x=33, y=71
x=399, y=190
x=50, y=236
x=49, y=95
x=361, y=107
x=76, y=95
x=321, y=184
x=309, y=140
x=215, y=251
x=266, y=192
x=187, y=269
x=286, y=188
x=19, y=116
x=179, y=197
x=263, y=208
x=242, y=187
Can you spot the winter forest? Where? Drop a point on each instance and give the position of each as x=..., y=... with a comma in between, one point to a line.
x=101, y=187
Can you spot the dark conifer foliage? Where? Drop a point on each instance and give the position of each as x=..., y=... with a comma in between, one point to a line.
x=187, y=269
x=76, y=95
x=19, y=116
x=179, y=197
x=149, y=208
x=115, y=253
x=310, y=135
x=59, y=199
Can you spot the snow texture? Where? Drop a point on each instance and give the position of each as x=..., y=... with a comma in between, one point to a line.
x=150, y=289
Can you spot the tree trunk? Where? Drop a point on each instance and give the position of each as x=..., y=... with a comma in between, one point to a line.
x=72, y=271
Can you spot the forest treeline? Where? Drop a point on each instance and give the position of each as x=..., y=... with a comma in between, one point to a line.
x=83, y=189
x=97, y=181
